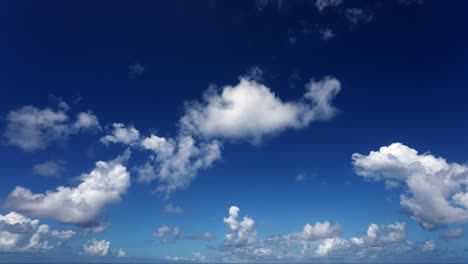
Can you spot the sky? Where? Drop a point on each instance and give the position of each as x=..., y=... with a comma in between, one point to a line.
x=265, y=131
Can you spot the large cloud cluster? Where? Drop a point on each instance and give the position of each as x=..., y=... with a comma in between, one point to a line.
x=436, y=190
x=21, y=234
x=247, y=111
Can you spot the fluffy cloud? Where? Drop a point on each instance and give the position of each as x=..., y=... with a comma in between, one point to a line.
x=241, y=233
x=177, y=161
x=319, y=241
x=121, y=253
x=21, y=234
x=393, y=233
x=96, y=248
x=435, y=188
x=166, y=234
x=121, y=134
x=250, y=110
x=452, y=234
x=429, y=246
x=320, y=231
x=31, y=128
x=322, y=4
x=51, y=168
x=80, y=205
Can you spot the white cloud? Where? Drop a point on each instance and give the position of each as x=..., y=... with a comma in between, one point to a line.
x=429, y=246
x=241, y=233
x=177, y=161
x=52, y=168
x=173, y=209
x=320, y=231
x=121, y=253
x=386, y=234
x=435, y=188
x=167, y=234
x=21, y=234
x=121, y=134
x=31, y=128
x=80, y=205
x=322, y=4
x=96, y=248
x=250, y=110
x=452, y=234
x=86, y=121
x=331, y=244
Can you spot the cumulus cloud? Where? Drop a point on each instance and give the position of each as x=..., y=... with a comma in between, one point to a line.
x=52, y=168
x=31, y=128
x=177, y=161
x=250, y=110
x=320, y=231
x=81, y=205
x=21, y=234
x=96, y=248
x=323, y=4
x=173, y=209
x=321, y=240
x=122, y=134
x=435, y=189
x=452, y=234
x=121, y=253
x=246, y=111
x=429, y=246
x=241, y=233
x=387, y=234
x=167, y=234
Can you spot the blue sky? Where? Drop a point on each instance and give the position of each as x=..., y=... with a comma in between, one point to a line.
x=242, y=131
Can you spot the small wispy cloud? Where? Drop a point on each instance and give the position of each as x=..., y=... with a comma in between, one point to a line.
x=136, y=70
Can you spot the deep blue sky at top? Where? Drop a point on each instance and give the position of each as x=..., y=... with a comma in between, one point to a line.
x=403, y=80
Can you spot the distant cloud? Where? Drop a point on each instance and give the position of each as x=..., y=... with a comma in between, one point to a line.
x=96, y=248
x=323, y=4
x=173, y=209
x=301, y=178
x=429, y=246
x=135, y=70
x=81, y=205
x=122, y=134
x=316, y=242
x=31, y=128
x=327, y=33
x=21, y=234
x=167, y=234
x=121, y=253
x=52, y=168
x=411, y=2
x=452, y=234
x=435, y=189
x=358, y=15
